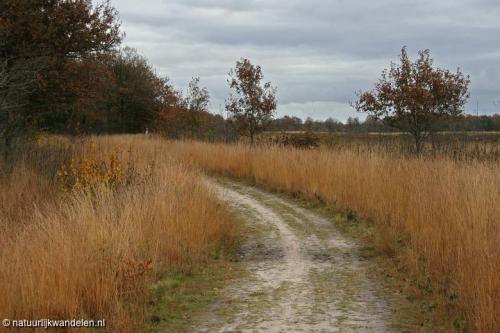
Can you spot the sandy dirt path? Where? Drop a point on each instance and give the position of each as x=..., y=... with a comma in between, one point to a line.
x=303, y=274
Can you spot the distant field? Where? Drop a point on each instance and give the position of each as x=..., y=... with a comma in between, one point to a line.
x=450, y=133
x=457, y=145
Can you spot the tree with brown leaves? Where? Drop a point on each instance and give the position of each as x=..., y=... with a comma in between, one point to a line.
x=196, y=102
x=251, y=103
x=50, y=48
x=414, y=96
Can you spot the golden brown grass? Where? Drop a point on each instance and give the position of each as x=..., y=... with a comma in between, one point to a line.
x=463, y=146
x=92, y=254
x=449, y=210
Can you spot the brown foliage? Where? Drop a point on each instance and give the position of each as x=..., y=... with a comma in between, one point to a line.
x=413, y=96
x=301, y=140
x=196, y=105
x=57, y=28
x=251, y=104
x=48, y=48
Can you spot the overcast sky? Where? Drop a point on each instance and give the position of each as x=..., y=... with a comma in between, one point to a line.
x=317, y=52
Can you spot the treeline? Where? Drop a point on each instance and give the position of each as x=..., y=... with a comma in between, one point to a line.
x=63, y=69
x=372, y=124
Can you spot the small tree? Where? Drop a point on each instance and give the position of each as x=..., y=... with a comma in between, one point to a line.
x=413, y=96
x=196, y=104
x=138, y=92
x=332, y=125
x=251, y=103
x=353, y=124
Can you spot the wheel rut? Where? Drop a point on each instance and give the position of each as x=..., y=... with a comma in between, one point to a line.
x=304, y=275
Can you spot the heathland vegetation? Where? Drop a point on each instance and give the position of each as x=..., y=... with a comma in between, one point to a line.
x=89, y=222
x=88, y=225
x=438, y=216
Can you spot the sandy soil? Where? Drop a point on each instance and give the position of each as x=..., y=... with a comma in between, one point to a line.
x=303, y=275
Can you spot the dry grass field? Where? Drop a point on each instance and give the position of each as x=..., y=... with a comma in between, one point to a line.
x=460, y=146
x=438, y=215
x=87, y=226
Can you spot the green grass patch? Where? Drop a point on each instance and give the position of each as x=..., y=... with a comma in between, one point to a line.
x=177, y=298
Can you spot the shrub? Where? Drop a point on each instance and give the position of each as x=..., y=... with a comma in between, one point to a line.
x=305, y=140
x=90, y=171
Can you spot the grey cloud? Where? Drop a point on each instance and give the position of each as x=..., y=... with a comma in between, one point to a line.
x=316, y=51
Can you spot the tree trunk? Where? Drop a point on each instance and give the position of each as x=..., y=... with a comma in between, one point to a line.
x=418, y=142
x=251, y=128
x=7, y=153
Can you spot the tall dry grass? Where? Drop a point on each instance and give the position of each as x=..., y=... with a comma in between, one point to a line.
x=449, y=210
x=462, y=146
x=92, y=254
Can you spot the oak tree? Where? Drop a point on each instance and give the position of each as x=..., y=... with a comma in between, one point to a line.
x=251, y=103
x=196, y=101
x=45, y=47
x=414, y=96
x=139, y=92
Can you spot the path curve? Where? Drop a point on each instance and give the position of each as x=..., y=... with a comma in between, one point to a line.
x=304, y=275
